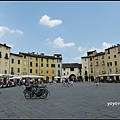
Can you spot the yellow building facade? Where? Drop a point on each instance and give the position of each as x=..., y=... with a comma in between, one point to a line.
x=104, y=65
x=16, y=64
x=39, y=64
x=4, y=59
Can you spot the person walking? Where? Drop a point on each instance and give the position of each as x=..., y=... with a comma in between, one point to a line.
x=66, y=82
x=71, y=81
x=97, y=81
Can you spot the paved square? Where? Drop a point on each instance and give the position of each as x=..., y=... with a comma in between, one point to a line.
x=82, y=100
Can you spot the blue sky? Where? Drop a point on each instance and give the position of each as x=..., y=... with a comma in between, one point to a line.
x=68, y=28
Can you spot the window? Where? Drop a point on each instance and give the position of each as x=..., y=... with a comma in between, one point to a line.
x=114, y=56
x=36, y=64
x=24, y=73
x=96, y=58
x=58, y=72
x=30, y=64
x=12, y=69
x=108, y=51
x=5, y=64
x=6, y=55
x=102, y=56
x=96, y=63
x=58, y=65
x=24, y=63
x=18, y=61
x=110, y=70
x=5, y=71
x=52, y=60
x=0, y=55
x=103, y=63
x=52, y=71
x=91, y=70
x=116, y=70
x=90, y=59
x=71, y=69
x=91, y=64
x=30, y=58
x=41, y=59
x=47, y=71
x=47, y=60
x=47, y=65
x=41, y=64
x=85, y=59
x=12, y=60
x=115, y=62
x=108, y=57
x=64, y=73
x=85, y=72
x=24, y=68
x=64, y=69
x=36, y=59
x=53, y=65
x=36, y=71
x=110, y=63
x=24, y=57
x=30, y=70
x=18, y=70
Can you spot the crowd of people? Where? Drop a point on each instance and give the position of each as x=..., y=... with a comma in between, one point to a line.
x=67, y=82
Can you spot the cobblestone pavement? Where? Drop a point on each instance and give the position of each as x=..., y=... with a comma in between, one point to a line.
x=82, y=100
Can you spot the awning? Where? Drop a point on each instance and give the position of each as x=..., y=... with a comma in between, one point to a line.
x=16, y=77
x=109, y=75
x=57, y=77
x=6, y=75
x=31, y=76
x=64, y=76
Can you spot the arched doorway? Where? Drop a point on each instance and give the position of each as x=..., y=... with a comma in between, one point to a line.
x=72, y=76
x=86, y=78
x=47, y=79
x=92, y=78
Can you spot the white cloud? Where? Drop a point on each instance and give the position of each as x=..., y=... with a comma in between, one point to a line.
x=4, y=30
x=10, y=45
x=59, y=43
x=80, y=49
x=102, y=49
x=77, y=58
x=106, y=45
x=45, y=20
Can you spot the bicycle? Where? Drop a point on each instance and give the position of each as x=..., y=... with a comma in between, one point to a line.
x=36, y=91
